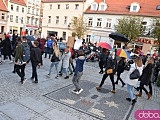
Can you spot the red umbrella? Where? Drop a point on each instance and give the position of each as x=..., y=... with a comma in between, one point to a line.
x=104, y=45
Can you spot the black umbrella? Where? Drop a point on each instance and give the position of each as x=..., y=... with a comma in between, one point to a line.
x=118, y=37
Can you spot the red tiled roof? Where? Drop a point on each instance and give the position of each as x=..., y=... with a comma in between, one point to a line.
x=148, y=7
x=21, y=2
x=2, y=6
x=50, y=1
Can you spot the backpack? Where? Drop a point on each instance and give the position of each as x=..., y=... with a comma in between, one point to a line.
x=49, y=43
x=26, y=52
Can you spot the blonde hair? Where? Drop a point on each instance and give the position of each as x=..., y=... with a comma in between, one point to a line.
x=149, y=60
x=56, y=50
x=138, y=61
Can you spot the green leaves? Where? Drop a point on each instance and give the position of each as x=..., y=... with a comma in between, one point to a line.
x=130, y=26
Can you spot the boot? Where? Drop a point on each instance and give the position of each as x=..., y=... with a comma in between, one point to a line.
x=98, y=88
x=113, y=91
x=149, y=95
x=139, y=95
x=134, y=101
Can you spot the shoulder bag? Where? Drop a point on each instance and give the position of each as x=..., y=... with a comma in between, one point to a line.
x=135, y=74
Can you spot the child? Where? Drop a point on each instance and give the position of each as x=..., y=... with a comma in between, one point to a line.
x=78, y=72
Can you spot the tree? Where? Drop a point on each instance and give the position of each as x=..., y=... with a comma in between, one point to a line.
x=78, y=27
x=130, y=26
x=155, y=31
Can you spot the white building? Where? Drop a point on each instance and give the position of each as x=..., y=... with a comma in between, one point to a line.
x=57, y=16
x=103, y=15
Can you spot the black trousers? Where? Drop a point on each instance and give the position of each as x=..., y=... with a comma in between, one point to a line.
x=101, y=64
x=143, y=88
x=34, y=70
x=119, y=77
x=111, y=78
x=8, y=56
x=20, y=71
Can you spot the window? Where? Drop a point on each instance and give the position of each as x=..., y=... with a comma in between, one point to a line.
x=94, y=7
x=90, y=22
x=102, y=7
x=17, y=9
x=76, y=6
x=57, y=19
x=158, y=7
x=11, y=7
x=32, y=11
x=37, y=12
x=64, y=35
x=144, y=24
x=22, y=10
x=65, y=20
x=88, y=38
x=32, y=21
x=29, y=10
x=49, y=19
x=28, y=20
x=99, y=22
x=11, y=18
x=50, y=6
x=3, y=16
x=67, y=6
x=58, y=6
x=134, y=8
x=108, y=23
x=2, y=29
x=36, y=21
x=16, y=19
x=22, y=20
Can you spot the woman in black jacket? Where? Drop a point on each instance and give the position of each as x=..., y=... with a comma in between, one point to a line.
x=120, y=69
x=146, y=78
x=102, y=60
x=109, y=65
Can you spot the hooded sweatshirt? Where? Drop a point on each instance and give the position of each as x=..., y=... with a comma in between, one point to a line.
x=79, y=65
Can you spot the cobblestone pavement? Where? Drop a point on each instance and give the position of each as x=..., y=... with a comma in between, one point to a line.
x=28, y=101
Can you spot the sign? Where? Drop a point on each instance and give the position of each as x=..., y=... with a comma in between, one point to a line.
x=2, y=36
x=147, y=41
x=70, y=41
x=146, y=48
x=77, y=44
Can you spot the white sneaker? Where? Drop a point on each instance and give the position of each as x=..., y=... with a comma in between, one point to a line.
x=24, y=80
x=80, y=91
x=11, y=62
x=75, y=91
x=48, y=75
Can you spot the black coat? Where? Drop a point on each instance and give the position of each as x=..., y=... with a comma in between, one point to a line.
x=109, y=63
x=36, y=55
x=146, y=74
x=121, y=66
x=6, y=46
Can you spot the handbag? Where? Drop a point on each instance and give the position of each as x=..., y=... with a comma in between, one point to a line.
x=109, y=71
x=54, y=58
x=135, y=74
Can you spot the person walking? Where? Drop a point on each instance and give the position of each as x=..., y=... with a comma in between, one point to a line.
x=78, y=72
x=19, y=59
x=120, y=69
x=55, y=60
x=35, y=60
x=145, y=79
x=49, y=47
x=131, y=83
x=102, y=60
x=109, y=65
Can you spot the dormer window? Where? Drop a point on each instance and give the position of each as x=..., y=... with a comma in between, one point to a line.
x=135, y=7
x=94, y=6
x=158, y=7
x=102, y=6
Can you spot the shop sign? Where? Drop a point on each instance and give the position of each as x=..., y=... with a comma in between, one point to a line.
x=147, y=41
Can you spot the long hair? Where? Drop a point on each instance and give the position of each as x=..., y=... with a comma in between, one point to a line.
x=149, y=60
x=138, y=61
x=56, y=50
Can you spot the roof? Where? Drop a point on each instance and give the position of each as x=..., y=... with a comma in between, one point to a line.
x=20, y=2
x=2, y=6
x=51, y=1
x=118, y=7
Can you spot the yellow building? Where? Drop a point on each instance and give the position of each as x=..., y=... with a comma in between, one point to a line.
x=57, y=16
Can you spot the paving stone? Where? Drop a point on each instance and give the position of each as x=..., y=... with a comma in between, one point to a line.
x=59, y=115
x=16, y=112
x=33, y=104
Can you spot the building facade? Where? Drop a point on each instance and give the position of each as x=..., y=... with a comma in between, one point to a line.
x=3, y=17
x=16, y=16
x=103, y=15
x=57, y=16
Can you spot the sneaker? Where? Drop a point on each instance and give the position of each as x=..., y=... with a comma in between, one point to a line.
x=24, y=81
x=66, y=77
x=134, y=101
x=60, y=74
x=113, y=91
x=128, y=99
x=70, y=73
x=75, y=91
x=79, y=91
x=48, y=75
x=35, y=82
x=11, y=62
x=98, y=88
x=56, y=77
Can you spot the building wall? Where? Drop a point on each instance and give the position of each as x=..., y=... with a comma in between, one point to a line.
x=13, y=25
x=3, y=22
x=62, y=12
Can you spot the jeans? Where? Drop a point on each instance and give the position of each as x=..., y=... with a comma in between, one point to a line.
x=65, y=70
x=76, y=79
x=20, y=71
x=130, y=90
x=34, y=70
x=56, y=66
x=111, y=78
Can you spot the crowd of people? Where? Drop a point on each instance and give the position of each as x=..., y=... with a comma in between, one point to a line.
x=24, y=52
